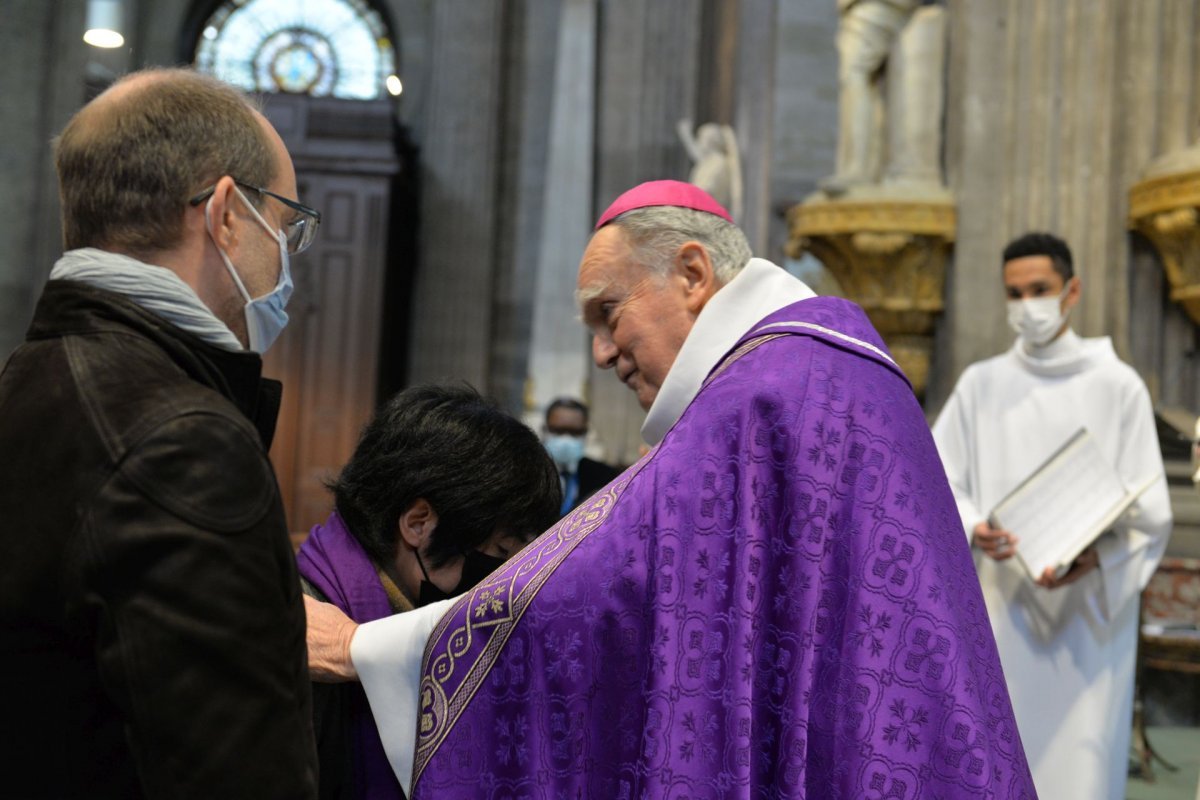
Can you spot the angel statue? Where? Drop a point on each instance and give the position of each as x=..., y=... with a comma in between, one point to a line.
x=717, y=167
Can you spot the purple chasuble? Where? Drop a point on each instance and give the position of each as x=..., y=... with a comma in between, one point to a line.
x=332, y=560
x=778, y=601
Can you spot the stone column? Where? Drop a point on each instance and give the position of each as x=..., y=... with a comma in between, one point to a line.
x=558, y=347
x=42, y=58
x=754, y=115
x=648, y=62
x=1056, y=108
x=452, y=305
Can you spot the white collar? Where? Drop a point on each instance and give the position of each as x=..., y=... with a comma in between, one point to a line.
x=1064, y=346
x=759, y=290
x=1066, y=355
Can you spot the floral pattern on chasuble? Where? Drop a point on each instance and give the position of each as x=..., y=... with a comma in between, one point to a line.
x=778, y=601
x=457, y=660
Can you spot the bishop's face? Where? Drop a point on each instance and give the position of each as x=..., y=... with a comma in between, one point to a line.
x=638, y=319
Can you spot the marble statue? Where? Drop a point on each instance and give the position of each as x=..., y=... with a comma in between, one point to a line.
x=890, y=55
x=716, y=161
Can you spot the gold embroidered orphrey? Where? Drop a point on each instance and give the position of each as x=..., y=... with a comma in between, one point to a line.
x=495, y=604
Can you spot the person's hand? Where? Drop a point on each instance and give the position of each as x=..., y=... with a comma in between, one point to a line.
x=996, y=543
x=329, y=635
x=1088, y=560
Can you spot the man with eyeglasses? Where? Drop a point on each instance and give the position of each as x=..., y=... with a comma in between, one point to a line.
x=151, y=621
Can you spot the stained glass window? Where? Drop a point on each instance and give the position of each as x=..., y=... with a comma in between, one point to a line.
x=338, y=48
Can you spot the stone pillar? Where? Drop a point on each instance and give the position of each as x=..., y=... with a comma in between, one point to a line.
x=558, y=346
x=42, y=59
x=754, y=115
x=532, y=49
x=1055, y=110
x=648, y=62
x=1042, y=97
x=452, y=304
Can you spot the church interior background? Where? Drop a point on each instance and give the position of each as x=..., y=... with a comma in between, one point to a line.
x=459, y=150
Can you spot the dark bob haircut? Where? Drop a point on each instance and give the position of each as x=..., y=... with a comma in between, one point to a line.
x=482, y=471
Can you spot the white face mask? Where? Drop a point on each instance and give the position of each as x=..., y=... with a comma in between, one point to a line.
x=1038, y=319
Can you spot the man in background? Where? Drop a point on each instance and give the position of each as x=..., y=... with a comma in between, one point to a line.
x=1067, y=642
x=151, y=622
x=565, y=437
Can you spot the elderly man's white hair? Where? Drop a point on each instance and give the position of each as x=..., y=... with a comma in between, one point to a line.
x=656, y=233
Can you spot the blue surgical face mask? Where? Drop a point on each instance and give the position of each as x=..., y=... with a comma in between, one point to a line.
x=265, y=316
x=566, y=451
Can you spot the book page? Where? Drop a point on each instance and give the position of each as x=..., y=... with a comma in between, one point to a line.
x=1063, y=506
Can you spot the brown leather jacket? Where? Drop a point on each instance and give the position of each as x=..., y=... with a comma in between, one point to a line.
x=151, y=622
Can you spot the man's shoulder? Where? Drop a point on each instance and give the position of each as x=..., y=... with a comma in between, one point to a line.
x=988, y=367
x=130, y=387
x=985, y=372
x=1109, y=366
x=205, y=467
x=180, y=442
x=590, y=468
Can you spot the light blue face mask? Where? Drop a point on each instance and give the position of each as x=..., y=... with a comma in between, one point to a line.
x=566, y=451
x=265, y=316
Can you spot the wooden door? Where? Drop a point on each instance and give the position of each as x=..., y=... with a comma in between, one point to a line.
x=328, y=355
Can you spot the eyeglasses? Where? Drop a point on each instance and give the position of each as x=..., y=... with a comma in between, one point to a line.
x=300, y=231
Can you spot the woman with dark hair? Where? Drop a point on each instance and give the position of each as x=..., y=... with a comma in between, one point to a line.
x=442, y=489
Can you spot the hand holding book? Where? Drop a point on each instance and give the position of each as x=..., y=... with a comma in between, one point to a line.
x=1060, y=510
x=1087, y=561
x=996, y=543
x=1000, y=545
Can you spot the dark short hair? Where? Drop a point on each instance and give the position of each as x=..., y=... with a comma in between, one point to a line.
x=1042, y=244
x=127, y=165
x=567, y=402
x=482, y=471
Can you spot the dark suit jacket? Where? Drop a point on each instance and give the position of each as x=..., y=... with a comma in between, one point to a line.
x=593, y=476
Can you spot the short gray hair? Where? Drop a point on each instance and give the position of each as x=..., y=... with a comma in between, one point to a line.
x=656, y=233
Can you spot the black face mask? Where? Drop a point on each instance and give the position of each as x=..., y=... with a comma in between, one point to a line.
x=476, y=567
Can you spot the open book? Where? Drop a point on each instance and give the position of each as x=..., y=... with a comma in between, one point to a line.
x=1064, y=506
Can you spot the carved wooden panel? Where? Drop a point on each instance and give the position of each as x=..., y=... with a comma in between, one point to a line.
x=327, y=357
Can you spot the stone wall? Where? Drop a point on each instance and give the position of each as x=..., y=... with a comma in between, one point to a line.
x=1054, y=107
x=42, y=59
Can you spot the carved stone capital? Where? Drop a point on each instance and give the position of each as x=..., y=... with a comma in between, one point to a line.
x=1165, y=208
x=889, y=255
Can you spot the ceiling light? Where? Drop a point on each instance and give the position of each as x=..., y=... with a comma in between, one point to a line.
x=104, y=24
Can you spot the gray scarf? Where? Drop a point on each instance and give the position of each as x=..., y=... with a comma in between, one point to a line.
x=156, y=289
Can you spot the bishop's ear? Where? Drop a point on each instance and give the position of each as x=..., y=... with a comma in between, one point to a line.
x=417, y=522
x=695, y=268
